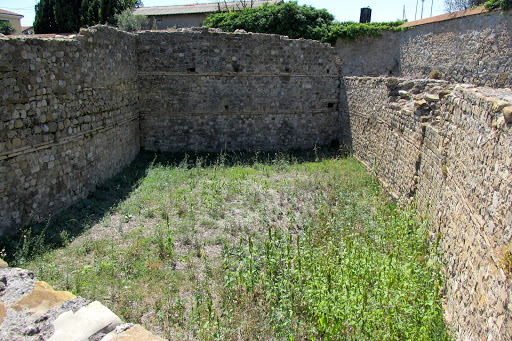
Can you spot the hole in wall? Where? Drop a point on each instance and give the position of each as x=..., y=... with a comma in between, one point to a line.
x=328, y=71
x=287, y=69
x=236, y=67
x=330, y=105
x=191, y=69
x=226, y=107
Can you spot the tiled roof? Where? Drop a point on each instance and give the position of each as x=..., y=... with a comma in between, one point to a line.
x=3, y=11
x=447, y=16
x=199, y=8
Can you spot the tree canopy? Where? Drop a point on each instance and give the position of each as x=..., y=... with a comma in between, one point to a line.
x=66, y=16
x=296, y=21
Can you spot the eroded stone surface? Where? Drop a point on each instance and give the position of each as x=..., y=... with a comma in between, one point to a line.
x=136, y=333
x=42, y=298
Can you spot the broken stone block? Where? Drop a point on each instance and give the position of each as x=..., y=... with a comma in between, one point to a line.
x=431, y=98
x=404, y=94
x=42, y=298
x=135, y=333
x=507, y=114
x=84, y=323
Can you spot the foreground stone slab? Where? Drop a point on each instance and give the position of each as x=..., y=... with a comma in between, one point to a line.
x=84, y=323
x=3, y=264
x=42, y=298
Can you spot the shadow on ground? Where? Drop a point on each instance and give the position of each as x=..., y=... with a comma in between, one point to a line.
x=63, y=227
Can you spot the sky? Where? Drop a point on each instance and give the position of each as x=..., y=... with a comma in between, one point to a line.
x=343, y=10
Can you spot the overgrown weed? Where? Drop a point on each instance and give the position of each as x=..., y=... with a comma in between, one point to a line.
x=252, y=246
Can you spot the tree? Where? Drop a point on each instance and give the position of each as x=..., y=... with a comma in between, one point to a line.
x=127, y=21
x=286, y=19
x=66, y=16
x=457, y=5
x=6, y=28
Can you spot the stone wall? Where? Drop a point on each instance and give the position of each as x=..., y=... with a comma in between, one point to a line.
x=449, y=147
x=68, y=119
x=370, y=56
x=475, y=49
x=208, y=91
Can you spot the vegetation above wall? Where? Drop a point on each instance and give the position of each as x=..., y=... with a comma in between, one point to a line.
x=296, y=21
x=67, y=16
x=494, y=4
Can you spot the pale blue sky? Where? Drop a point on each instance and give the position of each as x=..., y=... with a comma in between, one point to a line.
x=343, y=10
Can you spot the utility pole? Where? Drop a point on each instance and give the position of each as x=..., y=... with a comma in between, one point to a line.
x=432, y=8
x=403, y=15
x=416, y=12
x=422, y=2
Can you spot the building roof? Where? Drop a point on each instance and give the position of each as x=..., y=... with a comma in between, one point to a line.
x=447, y=16
x=3, y=11
x=200, y=8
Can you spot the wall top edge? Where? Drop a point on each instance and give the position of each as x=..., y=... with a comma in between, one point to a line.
x=448, y=16
x=87, y=32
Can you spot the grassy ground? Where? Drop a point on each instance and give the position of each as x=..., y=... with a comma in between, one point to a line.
x=243, y=247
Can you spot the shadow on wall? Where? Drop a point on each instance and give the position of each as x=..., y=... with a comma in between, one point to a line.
x=61, y=228
x=344, y=119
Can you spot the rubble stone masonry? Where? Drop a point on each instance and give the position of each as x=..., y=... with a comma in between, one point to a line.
x=75, y=110
x=68, y=119
x=207, y=91
x=449, y=148
x=476, y=49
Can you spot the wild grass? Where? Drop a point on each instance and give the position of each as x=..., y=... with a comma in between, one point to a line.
x=259, y=246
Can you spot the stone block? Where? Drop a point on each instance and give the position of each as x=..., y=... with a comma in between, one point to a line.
x=84, y=323
x=135, y=333
x=42, y=298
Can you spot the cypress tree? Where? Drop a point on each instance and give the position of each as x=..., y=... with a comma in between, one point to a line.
x=45, y=17
x=67, y=16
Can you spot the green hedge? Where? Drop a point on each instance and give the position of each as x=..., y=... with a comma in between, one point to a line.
x=494, y=4
x=296, y=21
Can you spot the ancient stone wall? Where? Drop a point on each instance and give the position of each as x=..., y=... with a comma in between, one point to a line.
x=475, y=49
x=207, y=91
x=449, y=147
x=370, y=56
x=68, y=119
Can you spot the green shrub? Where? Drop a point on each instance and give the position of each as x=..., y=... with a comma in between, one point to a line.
x=494, y=4
x=6, y=28
x=127, y=21
x=296, y=21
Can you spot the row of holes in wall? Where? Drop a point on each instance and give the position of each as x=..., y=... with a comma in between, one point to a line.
x=236, y=68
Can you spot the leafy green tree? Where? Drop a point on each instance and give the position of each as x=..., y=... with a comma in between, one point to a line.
x=45, y=18
x=296, y=22
x=503, y=4
x=286, y=19
x=6, y=28
x=127, y=21
x=65, y=16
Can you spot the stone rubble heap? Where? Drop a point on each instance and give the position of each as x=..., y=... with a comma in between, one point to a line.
x=32, y=310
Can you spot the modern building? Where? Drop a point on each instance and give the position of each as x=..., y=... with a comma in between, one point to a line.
x=193, y=15
x=27, y=29
x=13, y=18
